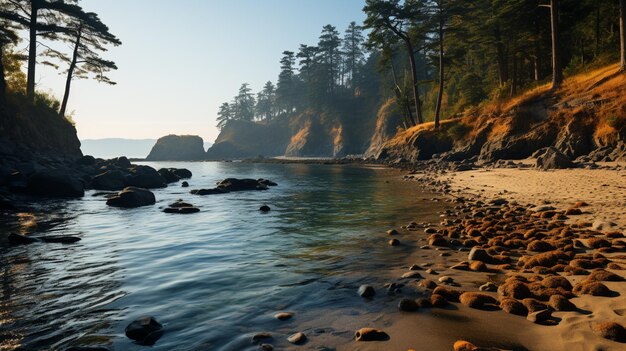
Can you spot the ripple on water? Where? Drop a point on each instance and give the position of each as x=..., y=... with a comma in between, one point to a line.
x=211, y=278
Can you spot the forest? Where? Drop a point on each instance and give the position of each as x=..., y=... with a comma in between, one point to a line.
x=436, y=58
x=45, y=28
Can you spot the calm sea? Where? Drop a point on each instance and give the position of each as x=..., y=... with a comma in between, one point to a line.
x=213, y=278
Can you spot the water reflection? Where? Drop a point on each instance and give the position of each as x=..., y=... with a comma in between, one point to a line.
x=212, y=278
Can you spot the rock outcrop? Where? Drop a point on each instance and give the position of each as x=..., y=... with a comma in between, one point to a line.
x=177, y=148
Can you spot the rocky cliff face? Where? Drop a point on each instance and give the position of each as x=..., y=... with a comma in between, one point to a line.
x=36, y=133
x=585, y=117
x=177, y=148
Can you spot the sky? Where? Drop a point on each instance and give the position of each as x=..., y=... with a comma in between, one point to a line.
x=180, y=59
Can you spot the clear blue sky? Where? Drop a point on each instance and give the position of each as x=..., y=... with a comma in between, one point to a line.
x=181, y=59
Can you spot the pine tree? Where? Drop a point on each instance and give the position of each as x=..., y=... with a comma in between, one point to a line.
x=330, y=56
x=265, y=102
x=353, y=51
x=286, y=83
x=244, y=103
x=224, y=115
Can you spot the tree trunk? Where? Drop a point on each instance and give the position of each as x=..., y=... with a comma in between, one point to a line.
x=441, y=73
x=622, y=33
x=70, y=73
x=400, y=97
x=503, y=66
x=416, y=95
x=3, y=83
x=32, y=51
x=557, y=69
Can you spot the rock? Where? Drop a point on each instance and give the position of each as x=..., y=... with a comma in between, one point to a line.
x=427, y=284
x=561, y=303
x=182, y=173
x=408, y=305
x=392, y=232
x=477, y=254
x=551, y=158
x=515, y=289
x=437, y=240
x=264, y=208
x=86, y=348
x=177, y=148
x=60, y=239
x=109, y=180
x=145, y=177
x=600, y=275
x=234, y=184
x=478, y=266
x=489, y=286
x=539, y=316
x=370, y=334
x=297, y=338
x=283, y=316
x=258, y=337
x=596, y=243
x=19, y=239
x=534, y=305
x=145, y=330
x=610, y=330
x=394, y=242
x=366, y=291
x=448, y=293
x=546, y=259
x=411, y=275
x=132, y=197
x=593, y=289
x=438, y=301
x=477, y=300
x=213, y=191
x=513, y=306
x=446, y=279
x=168, y=175
x=266, y=182
x=462, y=345
x=185, y=184
x=266, y=347
x=54, y=183
x=121, y=162
x=86, y=160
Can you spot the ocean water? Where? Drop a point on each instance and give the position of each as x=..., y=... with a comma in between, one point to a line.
x=212, y=278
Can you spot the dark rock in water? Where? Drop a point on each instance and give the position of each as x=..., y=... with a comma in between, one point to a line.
x=213, y=191
x=121, y=162
x=264, y=208
x=258, y=337
x=109, y=180
x=177, y=148
x=234, y=184
x=145, y=177
x=185, y=185
x=54, y=183
x=370, y=334
x=182, y=173
x=145, y=330
x=283, y=316
x=367, y=291
x=551, y=158
x=87, y=348
x=132, y=197
x=61, y=239
x=181, y=207
x=267, y=182
x=19, y=239
x=168, y=175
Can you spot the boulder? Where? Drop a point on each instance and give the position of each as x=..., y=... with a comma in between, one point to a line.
x=132, y=197
x=19, y=239
x=177, y=148
x=551, y=158
x=54, y=183
x=109, y=180
x=370, y=334
x=168, y=175
x=366, y=291
x=145, y=177
x=610, y=330
x=144, y=330
x=182, y=173
x=234, y=184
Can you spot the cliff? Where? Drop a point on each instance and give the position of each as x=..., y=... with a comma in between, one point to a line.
x=585, y=118
x=35, y=133
x=343, y=130
x=177, y=148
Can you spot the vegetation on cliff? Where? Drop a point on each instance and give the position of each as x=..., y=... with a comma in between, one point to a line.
x=434, y=59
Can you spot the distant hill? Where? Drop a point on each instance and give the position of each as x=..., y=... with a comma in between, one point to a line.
x=114, y=147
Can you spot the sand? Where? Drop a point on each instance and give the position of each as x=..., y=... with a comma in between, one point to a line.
x=604, y=190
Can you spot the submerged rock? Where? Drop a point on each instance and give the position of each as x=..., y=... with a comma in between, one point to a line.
x=19, y=239
x=366, y=291
x=297, y=338
x=144, y=330
x=109, y=180
x=54, y=183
